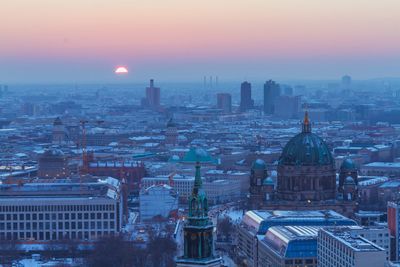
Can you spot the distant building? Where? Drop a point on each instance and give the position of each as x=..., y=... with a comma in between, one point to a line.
x=60, y=210
x=130, y=171
x=393, y=218
x=271, y=91
x=246, y=102
x=256, y=223
x=59, y=133
x=287, y=107
x=224, y=102
x=346, y=81
x=171, y=133
x=53, y=164
x=152, y=96
x=157, y=201
x=289, y=246
x=337, y=246
x=306, y=179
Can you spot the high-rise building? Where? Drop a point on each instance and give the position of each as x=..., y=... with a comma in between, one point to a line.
x=224, y=102
x=346, y=81
x=271, y=91
x=339, y=246
x=198, y=228
x=153, y=96
x=245, y=96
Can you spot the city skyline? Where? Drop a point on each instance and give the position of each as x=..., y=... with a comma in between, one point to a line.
x=176, y=40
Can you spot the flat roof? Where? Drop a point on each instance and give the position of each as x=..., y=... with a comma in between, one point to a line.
x=357, y=243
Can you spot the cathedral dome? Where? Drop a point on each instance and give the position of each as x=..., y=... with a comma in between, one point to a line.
x=259, y=164
x=348, y=165
x=306, y=149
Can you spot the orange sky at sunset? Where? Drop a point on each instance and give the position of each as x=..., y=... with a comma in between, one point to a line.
x=209, y=34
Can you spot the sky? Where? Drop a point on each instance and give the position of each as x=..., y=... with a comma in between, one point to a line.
x=177, y=40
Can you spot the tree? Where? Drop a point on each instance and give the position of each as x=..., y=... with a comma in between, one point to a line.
x=162, y=251
x=113, y=251
x=224, y=227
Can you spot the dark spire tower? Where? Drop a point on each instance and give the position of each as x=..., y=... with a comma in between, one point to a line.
x=198, y=228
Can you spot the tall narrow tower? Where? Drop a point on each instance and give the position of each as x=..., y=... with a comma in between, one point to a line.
x=58, y=132
x=198, y=228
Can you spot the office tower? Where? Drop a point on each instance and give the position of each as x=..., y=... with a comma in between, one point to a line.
x=346, y=81
x=224, y=102
x=394, y=229
x=245, y=96
x=198, y=228
x=271, y=91
x=338, y=246
x=153, y=96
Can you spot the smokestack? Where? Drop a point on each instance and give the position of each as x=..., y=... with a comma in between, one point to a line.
x=151, y=82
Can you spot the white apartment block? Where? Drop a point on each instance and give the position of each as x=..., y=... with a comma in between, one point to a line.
x=338, y=246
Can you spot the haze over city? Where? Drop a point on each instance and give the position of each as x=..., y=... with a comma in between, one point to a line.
x=83, y=41
x=171, y=133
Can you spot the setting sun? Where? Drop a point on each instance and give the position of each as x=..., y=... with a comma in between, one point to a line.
x=121, y=70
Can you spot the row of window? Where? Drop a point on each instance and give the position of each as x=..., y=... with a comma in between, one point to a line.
x=54, y=235
x=27, y=208
x=59, y=216
x=60, y=225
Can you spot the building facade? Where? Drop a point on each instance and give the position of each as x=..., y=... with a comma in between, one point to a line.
x=339, y=247
x=246, y=102
x=59, y=211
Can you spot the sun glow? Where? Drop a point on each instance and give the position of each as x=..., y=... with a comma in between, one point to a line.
x=121, y=70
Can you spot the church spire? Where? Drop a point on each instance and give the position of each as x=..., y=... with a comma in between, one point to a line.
x=306, y=124
x=197, y=178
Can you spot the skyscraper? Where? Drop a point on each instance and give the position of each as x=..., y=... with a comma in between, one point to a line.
x=346, y=81
x=245, y=96
x=224, y=102
x=271, y=91
x=153, y=96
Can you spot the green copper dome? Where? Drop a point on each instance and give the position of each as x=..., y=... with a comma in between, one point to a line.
x=348, y=165
x=259, y=164
x=307, y=149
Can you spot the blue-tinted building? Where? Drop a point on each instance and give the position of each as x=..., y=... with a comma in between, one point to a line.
x=256, y=223
x=288, y=246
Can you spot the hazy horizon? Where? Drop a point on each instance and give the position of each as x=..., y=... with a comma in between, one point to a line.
x=47, y=41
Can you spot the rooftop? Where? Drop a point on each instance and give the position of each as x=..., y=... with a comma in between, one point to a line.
x=352, y=240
